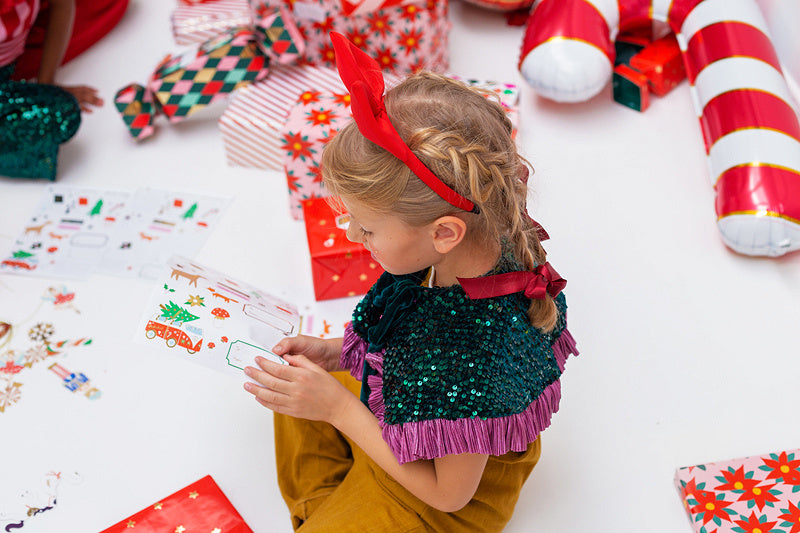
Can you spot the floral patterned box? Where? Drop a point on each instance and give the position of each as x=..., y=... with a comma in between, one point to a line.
x=403, y=36
x=745, y=495
x=312, y=122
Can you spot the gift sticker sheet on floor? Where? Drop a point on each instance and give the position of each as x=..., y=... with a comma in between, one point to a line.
x=125, y=286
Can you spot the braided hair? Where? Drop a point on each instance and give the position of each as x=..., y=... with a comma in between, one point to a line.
x=466, y=140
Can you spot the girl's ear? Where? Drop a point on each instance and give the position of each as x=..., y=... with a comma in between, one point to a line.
x=448, y=231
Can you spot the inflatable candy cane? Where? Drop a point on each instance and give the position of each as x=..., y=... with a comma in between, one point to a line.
x=750, y=127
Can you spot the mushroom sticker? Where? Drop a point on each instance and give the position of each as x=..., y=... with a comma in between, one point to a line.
x=220, y=315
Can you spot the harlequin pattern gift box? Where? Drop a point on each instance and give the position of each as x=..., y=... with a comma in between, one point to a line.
x=339, y=267
x=403, y=36
x=185, y=83
x=201, y=506
x=760, y=493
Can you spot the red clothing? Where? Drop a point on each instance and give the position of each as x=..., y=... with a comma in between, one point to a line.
x=16, y=21
x=93, y=20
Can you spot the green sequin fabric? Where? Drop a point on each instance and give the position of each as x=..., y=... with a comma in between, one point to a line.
x=35, y=119
x=449, y=357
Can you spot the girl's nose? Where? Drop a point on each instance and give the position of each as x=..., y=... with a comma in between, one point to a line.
x=352, y=233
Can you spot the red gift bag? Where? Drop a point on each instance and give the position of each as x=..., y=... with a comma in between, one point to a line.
x=200, y=506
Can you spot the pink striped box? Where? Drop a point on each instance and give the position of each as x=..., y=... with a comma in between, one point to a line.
x=252, y=122
x=199, y=22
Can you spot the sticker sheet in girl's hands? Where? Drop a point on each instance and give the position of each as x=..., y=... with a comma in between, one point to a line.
x=205, y=316
x=75, y=231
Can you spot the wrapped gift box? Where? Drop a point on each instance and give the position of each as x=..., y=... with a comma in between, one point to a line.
x=312, y=122
x=252, y=122
x=201, y=506
x=756, y=493
x=630, y=88
x=203, y=75
x=339, y=267
x=199, y=22
x=403, y=38
x=662, y=64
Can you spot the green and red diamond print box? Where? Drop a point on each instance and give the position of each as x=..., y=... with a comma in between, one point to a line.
x=756, y=494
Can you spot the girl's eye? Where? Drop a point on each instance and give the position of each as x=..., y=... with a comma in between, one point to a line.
x=365, y=232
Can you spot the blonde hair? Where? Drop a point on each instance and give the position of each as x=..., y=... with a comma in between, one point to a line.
x=466, y=140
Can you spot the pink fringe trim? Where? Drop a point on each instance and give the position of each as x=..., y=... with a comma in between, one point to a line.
x=354, y=349
x=428, y=439
x=563, y=347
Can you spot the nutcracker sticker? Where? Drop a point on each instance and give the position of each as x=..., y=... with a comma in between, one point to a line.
x=212, y=319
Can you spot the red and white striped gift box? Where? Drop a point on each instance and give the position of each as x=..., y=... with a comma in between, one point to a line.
x=197, y=23
x=252, y=122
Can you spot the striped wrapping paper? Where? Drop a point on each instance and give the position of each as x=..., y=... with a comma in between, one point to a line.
x=200, y=22
x=252, y=122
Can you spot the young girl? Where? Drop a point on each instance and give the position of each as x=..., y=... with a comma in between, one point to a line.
x=459, y=346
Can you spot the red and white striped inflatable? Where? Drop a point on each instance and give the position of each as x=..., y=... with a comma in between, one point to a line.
x=747, y=114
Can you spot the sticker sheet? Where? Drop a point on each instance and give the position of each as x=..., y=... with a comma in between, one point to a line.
x=157, y=225
x=75, y=231
x=209, y=318
x=68, y=233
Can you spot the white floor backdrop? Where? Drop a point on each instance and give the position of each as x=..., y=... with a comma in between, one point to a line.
x=689, y=352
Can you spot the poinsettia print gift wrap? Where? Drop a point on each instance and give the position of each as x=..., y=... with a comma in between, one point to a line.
x=311, y=123
x=403, y=36
x=746, y=495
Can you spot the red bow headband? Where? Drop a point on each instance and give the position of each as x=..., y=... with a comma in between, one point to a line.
x=543, y=280
x=363, y=78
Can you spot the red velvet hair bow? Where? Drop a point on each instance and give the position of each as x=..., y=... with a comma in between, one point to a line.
x=363, y=78
x=543, y=280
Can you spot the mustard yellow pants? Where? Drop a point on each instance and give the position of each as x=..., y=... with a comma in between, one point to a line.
x=331, y=485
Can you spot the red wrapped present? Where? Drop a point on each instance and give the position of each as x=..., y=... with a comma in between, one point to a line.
x=661, y=63
x=403, y=36
x=201, y=506
x=339, y=267
x=756, y=493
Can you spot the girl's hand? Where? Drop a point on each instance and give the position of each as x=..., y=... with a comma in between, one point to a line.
x=322, y=352
x=86, y=96
x=300, y=389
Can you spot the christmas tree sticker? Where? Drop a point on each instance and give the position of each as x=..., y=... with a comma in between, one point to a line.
x=175, y=313
x=190, y=212
x=22, y=254
x=96, y=209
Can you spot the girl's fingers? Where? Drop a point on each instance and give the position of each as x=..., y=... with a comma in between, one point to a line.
x=266, y=397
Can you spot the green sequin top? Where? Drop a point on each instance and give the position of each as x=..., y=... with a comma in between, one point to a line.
x=446, y=374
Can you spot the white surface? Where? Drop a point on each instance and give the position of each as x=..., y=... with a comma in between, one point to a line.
x=689, y=352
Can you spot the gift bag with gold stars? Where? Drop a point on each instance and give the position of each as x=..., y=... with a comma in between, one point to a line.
x=339, y=267
x=201, y=506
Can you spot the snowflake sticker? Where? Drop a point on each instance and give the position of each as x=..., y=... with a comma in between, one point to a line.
x=41, y=332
